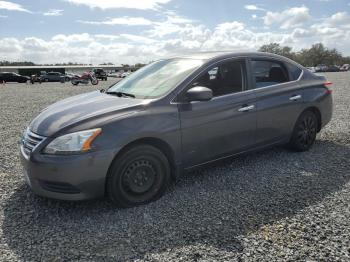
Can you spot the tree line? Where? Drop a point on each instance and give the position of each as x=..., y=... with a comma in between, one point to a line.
x=316, y=55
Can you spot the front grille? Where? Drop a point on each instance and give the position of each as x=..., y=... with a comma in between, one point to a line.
x=30, y=141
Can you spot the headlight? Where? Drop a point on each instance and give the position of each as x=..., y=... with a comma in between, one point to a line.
x=73, y=143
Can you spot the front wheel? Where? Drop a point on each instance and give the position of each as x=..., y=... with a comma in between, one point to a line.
x=138, y=176
x=304, y=133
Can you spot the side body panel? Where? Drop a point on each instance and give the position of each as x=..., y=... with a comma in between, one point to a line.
x=216, y=128
x=276, y=112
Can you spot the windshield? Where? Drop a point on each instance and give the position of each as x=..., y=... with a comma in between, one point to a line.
x=157, y=78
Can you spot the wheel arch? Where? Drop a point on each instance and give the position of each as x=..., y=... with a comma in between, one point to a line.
x=160, y=144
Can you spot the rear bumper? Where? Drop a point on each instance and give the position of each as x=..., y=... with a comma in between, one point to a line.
x=74, y=177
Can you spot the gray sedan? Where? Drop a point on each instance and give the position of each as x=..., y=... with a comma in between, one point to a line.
x=130, y=141
x=54, y=77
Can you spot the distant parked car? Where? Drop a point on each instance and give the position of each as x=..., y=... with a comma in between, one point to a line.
x=125, y=74
x=115, y=74
x=321, y=68
x=345, y=67
x=333, y=69
x=53, y=77
x=69, y=76
x=312, y=69
x=13, y=77
x=100, y=73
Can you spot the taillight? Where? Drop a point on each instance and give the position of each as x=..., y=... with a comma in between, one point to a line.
x=327, y=85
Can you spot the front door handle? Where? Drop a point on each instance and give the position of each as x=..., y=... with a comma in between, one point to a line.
x=295, y=98
x=246, y=108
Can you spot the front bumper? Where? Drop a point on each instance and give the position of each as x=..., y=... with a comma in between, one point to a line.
x=73, y=177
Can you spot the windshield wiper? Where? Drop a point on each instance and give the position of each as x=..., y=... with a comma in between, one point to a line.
x=120, y=94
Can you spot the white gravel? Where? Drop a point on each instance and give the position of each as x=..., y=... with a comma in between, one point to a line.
x=273, y=205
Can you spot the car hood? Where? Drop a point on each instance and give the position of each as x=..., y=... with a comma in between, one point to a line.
x=80, y=108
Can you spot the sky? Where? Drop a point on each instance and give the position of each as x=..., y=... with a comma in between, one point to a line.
x=132, y=31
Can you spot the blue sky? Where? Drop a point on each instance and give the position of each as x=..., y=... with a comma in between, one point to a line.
x=130, y=31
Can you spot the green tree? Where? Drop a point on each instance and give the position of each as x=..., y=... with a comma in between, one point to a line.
x=277, y=49
x=316, y=55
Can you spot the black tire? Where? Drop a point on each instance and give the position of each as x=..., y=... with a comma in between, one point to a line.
x=138, y=176
x=304, y=133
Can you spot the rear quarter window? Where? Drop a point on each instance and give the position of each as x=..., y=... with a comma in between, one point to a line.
x=294, y=71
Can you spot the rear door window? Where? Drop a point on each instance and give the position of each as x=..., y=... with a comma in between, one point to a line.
x=268, y=73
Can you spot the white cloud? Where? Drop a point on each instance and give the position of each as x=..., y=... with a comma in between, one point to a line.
x=339, y=19
x=131, y=21
x=73, y=38
x=289, y=18
x=138, y=39
x=107, y=37
x=253, y=8
x=108, y=4
x=12, y=6
x=173, y=36
x=173, y=24
x=230, y=27
x=53, y=12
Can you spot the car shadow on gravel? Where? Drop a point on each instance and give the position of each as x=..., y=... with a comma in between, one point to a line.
x=210, y=206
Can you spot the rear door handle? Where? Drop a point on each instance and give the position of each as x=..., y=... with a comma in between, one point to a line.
x=295, y=98
x=246, y=108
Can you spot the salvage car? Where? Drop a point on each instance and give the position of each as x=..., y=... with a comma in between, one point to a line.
x=129, y=141
x=100, y=74
x=53, y=77
x=345, y=67
x=13, y=77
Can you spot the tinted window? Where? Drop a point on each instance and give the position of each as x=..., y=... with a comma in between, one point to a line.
x=268, y=73
x=223, y=79
x=294, y=71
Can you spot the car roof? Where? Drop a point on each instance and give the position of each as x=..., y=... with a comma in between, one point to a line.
x=207, y=56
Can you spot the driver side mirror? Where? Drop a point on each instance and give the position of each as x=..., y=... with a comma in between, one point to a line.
x=199, y=93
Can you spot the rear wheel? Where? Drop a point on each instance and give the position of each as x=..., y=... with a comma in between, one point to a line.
x=305, y=131
x=138, y=176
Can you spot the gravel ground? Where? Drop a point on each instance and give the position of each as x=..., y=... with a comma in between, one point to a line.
x=274, y=205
